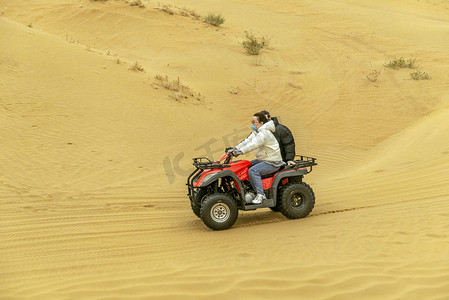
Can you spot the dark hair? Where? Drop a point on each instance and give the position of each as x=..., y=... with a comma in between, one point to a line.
x=266, y=113
x=261, y=117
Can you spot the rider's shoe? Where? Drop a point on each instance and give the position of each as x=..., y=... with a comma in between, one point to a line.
x=259, y=198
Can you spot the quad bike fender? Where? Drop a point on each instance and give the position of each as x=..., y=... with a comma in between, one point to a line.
x=299, y=173
x=222, y=174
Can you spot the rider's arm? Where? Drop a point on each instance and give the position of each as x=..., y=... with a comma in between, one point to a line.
x=245, y=141
x=256, y=142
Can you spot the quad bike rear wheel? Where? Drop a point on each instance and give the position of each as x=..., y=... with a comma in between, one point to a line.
x=219, y=212
x=297, y=200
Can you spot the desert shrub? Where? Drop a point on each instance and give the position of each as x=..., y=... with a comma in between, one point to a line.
x=373, y=75
x=213, y=19
x=252, y=44
x=420, y=75
x=399, y=63
x=136, y=67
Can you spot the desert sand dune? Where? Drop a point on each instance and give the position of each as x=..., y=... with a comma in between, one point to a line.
x=94, y=155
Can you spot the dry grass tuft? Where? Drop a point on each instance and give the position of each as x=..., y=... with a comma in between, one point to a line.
x=179, y=90
x=136, y=67
x=167, y=9
x=189, y=13
x=174, y=10
x=373, y=75
x=137, y=3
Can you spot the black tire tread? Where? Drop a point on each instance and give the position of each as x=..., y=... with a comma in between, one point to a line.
x=285, y=208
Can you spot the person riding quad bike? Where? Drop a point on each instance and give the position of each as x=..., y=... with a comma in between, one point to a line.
x=219, y=189
x=266, y=149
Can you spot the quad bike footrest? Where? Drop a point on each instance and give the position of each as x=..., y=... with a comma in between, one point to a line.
x=265, y=203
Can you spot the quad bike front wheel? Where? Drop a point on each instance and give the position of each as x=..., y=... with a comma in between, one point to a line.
x=219, y=212
x=297, y=200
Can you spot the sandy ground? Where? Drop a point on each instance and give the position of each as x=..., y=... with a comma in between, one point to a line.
x=94, y=156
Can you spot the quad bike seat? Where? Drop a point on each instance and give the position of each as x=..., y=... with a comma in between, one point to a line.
x=273, y=173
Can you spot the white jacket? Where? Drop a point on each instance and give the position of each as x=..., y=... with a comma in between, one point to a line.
x=263, y=142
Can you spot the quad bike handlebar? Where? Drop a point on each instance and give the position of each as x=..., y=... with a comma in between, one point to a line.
x=229, y=153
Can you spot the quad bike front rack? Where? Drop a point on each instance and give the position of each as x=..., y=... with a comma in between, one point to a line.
x=206, y=163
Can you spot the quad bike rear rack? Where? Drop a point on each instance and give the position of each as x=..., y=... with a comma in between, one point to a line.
x=302, y=161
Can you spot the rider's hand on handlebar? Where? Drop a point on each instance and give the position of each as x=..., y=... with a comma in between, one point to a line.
x=231, y=150
x=237, y=152
x=234, y=151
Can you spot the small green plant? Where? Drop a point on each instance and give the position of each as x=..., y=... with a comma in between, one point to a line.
x=252, y=44
x=136, y=67
x=373, y=75
x=420, y=75
x=213, y=19
x=399, y=63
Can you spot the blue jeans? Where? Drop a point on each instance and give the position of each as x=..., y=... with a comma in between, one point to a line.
x=255, y=174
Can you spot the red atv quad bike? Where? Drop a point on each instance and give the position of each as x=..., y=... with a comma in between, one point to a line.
x=219, y=189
